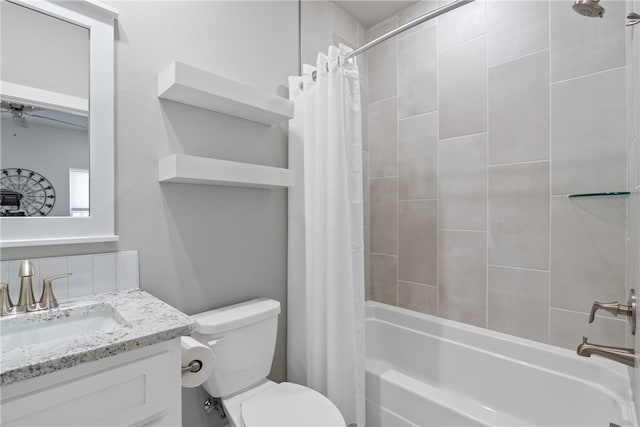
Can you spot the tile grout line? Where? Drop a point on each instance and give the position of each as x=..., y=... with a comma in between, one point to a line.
x=437, y=60
x=518, y=268
x=417, y=283
x=397, y=48
x=550, y=118
x=487, y=121
x=526, y=162
x=518, y=58
x=595, y=73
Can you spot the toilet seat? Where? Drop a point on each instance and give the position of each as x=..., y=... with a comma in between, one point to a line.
x=290, y=405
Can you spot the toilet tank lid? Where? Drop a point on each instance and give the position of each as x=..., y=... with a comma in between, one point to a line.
x=235, y=316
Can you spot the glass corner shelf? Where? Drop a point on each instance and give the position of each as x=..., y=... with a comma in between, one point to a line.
x=607, y=194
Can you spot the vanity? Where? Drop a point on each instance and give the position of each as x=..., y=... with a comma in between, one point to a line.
x=107, y=359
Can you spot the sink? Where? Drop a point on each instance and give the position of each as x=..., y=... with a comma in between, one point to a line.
x=53, y=325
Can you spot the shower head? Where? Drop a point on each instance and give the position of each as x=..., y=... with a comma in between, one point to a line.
x=590, y=8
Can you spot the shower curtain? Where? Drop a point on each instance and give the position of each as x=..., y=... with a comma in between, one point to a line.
x=325, y=348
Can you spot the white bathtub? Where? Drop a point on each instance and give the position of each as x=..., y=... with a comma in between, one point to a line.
x=427, y=371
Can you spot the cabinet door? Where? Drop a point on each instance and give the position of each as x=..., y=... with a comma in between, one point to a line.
x=129, y=394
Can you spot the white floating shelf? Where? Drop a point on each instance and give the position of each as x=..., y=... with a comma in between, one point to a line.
x=189, y=85
x=185, y=169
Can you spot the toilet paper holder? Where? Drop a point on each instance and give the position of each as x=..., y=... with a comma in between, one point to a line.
x=193, y=366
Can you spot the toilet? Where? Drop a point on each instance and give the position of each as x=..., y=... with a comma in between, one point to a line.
x=242, y=338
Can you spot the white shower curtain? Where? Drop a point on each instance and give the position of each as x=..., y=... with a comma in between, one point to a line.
x=326, y=251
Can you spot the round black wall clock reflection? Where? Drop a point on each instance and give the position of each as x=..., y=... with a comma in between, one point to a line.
x=24, y=192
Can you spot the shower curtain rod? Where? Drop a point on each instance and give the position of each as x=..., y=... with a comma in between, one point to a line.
x=424, y=18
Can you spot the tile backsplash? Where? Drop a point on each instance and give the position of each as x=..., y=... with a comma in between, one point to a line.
x=91, y=274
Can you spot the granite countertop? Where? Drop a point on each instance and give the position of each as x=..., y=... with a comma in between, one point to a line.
x=143, y=320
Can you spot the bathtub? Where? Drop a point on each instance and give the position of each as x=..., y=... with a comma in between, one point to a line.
x=422, y=370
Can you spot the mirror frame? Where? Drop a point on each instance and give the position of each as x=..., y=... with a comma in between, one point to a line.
x=100, y=225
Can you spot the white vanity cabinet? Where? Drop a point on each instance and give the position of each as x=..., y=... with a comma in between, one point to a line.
x=136, y=388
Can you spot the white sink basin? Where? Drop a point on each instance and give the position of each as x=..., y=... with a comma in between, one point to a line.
x=51, y=326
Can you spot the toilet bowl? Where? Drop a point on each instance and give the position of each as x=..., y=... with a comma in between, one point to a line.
x=242, y=338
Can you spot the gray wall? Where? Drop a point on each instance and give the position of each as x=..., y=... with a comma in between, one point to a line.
x=200, y=246
x=479, y=128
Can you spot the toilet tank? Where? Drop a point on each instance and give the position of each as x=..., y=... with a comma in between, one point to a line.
x=243, y=339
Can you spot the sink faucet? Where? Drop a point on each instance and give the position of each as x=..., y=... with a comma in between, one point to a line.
x=27, y=302
x=618, y=354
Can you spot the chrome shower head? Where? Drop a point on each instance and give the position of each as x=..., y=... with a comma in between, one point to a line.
x=590, y=8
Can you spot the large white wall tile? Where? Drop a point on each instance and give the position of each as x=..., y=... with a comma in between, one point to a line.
x=384, y=215
x=461, y=24
x=384, y=278
x=581, y=45
x=587, y=251
x=383, y=138
x=519, y=215
x=52, y=267
x=519, y=110
x=518, y=302
x=364, y=115
x=367, y=264
x=417, y=73
x=127, y=273
x=365, y=187
x=81, y=280
x=463, y=183
x=417, y=297
x=418, y=241
x=567, y=329
x=516, y=28
x=4, y=272
x=104, y=273
x=418, y=157
x=463, y=89
x=588, y=146
x=13, y=280
x=462, y=269
x=382, y=62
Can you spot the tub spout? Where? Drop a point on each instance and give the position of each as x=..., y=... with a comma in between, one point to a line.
x=619, y=354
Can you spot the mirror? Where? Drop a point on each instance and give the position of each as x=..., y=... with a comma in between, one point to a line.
x=56, y=122
x=44, y=155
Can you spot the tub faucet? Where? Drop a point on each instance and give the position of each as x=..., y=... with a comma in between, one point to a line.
x=618, y=354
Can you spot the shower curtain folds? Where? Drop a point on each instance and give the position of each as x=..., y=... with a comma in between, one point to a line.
x=325, y=346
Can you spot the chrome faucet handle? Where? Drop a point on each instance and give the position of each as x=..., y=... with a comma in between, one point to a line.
x=6, y=306
x=48, y=299
x=611, y=307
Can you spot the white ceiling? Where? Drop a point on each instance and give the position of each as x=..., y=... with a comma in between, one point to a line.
x=369, y=12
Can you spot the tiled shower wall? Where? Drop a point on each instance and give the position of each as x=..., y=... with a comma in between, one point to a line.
x=480, y=124
x=633, y=222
